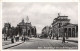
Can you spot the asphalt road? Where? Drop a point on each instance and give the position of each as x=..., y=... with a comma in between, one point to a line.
x=37, y=43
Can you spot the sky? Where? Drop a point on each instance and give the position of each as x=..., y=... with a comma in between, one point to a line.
x=40, y=14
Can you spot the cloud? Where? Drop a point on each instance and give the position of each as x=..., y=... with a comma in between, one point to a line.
x=40, y=14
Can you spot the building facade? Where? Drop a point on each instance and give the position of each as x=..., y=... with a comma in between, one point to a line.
x=61, y=26
x=26, y=28
x=47, y=31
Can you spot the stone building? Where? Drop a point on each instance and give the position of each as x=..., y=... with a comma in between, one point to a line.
x=26, y=28
x=61, y=26
x=47, y=30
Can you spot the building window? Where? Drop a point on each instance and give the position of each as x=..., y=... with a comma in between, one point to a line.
x=60, y=25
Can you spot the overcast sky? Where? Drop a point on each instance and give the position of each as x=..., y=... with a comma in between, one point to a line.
x=40, y=14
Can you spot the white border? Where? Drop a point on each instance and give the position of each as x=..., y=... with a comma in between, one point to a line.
x=38, y=1
x=0, y=25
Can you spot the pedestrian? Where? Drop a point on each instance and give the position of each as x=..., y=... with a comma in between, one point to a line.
x=63, y=41
x=57, y=37
x=24, y=39
x=53, y=37
x=12, y=40
x=16, y=38
x=6, y=38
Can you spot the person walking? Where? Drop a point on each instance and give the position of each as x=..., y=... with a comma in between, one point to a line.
x=15, y=38
x=12, y=40
x=63, y=41
x=57, y=37
x=24, y=39
x=53, y=37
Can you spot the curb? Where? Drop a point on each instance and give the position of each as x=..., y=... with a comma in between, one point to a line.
x=13, y=45
x=72, y=41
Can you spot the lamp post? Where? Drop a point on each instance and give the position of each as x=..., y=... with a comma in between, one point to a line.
x=59, y=27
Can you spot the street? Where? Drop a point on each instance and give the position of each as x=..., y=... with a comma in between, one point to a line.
x=36, y=43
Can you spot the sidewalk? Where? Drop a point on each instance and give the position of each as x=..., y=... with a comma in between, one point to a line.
x=6, y=42
x=12, y=45
x=71, y=39
x=33, y=38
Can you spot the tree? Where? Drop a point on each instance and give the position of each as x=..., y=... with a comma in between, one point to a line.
x=3, y=30
x=19, y=30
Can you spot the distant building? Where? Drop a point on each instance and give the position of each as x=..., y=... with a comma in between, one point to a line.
x=61, y=26
x=26, y=28
x=6, y=29
x=47, y=31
